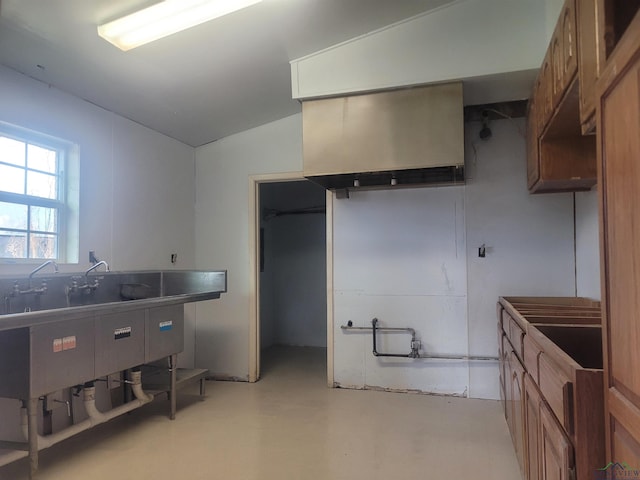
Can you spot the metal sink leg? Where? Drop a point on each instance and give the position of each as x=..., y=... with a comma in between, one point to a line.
x=173, y=370
x=32, y=427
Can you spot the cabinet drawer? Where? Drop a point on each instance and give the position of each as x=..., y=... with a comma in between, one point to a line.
x=531, y=354
x=557, y=391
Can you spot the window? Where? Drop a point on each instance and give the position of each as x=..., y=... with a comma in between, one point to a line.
x=34, y=203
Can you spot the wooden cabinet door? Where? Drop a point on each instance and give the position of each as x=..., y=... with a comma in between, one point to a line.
x=556, y=452
x=557, y=66
x=508, y=397
x=618, y=119
x=501, y=337
x=545, y=92
x=532, y=400
x=517, y=419
x=569, y=41
x=533, y=159
x=590, y=27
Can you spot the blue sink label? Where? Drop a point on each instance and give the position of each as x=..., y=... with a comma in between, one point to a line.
x=123, y=332
x=168, y=325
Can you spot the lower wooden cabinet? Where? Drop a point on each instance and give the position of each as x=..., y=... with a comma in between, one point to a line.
x=556, y=453
x=551, y=366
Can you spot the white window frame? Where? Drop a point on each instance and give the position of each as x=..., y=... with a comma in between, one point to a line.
x=66, y=201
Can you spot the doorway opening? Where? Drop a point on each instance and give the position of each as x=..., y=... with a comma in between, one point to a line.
x=291, y=271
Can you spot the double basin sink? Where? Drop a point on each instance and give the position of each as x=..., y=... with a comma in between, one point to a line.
x=44, y=298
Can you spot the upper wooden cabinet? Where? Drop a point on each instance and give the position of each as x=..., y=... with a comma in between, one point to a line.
x=561, y=155
x=559, y=158
x=618, y=127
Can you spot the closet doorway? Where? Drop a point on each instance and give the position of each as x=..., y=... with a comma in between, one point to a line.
x=291, y=270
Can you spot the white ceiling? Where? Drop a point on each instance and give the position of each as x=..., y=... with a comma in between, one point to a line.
x=197, y=86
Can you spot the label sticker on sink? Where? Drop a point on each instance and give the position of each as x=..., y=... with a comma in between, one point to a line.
x=69, y=343
x=123, y=332
x=168, y=325
x=57, y=345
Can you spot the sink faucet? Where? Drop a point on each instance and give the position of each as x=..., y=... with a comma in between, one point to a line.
x=16, y=292
x=93, y=267
x=40, y=267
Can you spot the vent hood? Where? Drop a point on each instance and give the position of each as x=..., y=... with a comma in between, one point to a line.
x=413, y=136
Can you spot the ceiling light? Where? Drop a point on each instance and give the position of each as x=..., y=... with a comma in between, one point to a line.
x=164, y=19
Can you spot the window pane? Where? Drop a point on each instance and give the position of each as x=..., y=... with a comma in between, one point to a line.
x=41, y=159
x=13, y=245
x=44, y=219
x=11, y=179
x=43, y=246
x=42, y=185
x=12, y=151
x=13, y=215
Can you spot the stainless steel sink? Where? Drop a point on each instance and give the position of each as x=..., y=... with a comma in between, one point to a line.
x=61, y=331
x=108, y=291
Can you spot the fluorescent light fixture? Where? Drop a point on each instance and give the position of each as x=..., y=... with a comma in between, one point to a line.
x=164, y=19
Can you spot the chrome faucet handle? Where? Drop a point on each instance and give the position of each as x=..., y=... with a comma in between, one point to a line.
x=42, y=289
x=73, y=288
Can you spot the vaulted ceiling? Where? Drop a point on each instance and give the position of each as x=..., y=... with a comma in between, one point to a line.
x=199, y=85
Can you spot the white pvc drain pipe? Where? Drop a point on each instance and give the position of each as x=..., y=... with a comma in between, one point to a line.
x=96, y=417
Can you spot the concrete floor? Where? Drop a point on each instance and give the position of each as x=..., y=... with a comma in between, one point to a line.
x=289, y=425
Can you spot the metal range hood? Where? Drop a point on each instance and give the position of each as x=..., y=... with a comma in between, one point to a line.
x=388, y=139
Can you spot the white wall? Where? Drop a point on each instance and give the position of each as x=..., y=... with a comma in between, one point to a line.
x=384, y=266
x=134, y=182
x=528, y=239
x=399, y=256
x=465, y=39
x=410, y=258
x=136, y=187
x=293, y=293
x=222, y=233
x=587, y=245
